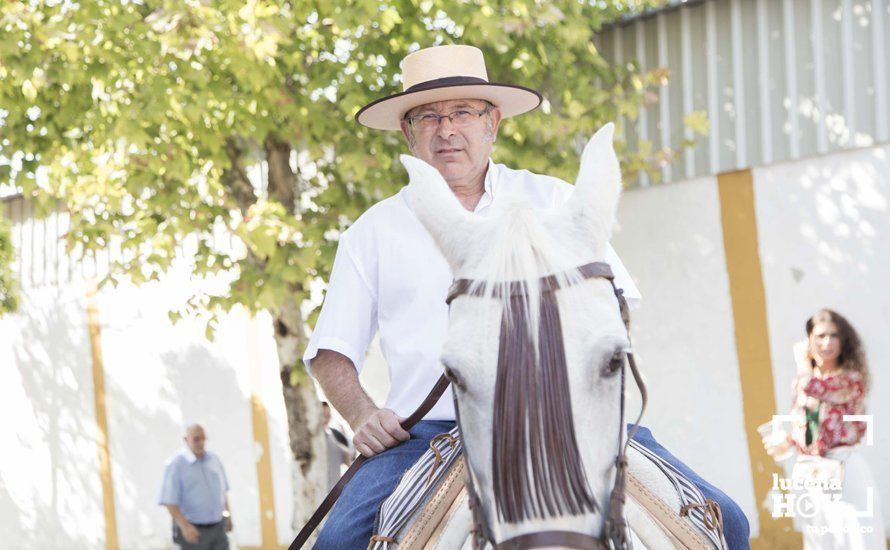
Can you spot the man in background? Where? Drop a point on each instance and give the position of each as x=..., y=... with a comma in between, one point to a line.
x=339, y=448
x=194, y=492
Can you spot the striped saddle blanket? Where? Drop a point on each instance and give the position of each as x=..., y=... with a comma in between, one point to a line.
x=428, y=508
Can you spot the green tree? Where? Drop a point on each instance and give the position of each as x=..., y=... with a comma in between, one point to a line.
x=144, y=119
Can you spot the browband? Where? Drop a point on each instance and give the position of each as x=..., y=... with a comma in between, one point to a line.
x=549, y=283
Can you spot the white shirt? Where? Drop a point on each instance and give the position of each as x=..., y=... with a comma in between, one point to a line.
x=388, y=276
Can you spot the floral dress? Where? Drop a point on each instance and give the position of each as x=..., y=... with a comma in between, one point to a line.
x=838, y=395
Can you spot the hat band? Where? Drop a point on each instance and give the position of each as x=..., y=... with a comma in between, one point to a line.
x=445, y=82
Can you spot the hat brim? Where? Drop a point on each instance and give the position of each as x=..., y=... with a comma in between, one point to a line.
x=387, y=113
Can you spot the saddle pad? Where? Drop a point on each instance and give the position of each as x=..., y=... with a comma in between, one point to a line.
x=691, y=497
x=657, y=523
x=437, y=511
x=417, y=486
x=420, y=484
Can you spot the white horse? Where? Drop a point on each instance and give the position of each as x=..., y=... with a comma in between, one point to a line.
x=535, y=351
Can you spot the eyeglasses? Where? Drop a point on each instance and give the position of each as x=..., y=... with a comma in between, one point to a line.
x=460, y=118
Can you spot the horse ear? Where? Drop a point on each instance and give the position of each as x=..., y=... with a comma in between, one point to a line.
x=598, y=185
x=451, y=225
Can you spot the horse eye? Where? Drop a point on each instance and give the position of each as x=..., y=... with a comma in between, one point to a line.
x=615, y=364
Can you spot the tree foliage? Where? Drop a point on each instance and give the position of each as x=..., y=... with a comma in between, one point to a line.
x=8, y=290
x=155, y=120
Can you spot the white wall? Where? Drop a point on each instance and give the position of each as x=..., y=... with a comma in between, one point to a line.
x=161, y=377
x=50, y=491
x=158, y=377
x=824, y=231
x=671, y=240
x=824, y=240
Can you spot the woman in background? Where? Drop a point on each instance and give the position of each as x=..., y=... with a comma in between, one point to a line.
x=832, y=381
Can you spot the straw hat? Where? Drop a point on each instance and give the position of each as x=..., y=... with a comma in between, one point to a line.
x=441, y=73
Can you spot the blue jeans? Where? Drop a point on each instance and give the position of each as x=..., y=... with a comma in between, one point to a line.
x=351, y=522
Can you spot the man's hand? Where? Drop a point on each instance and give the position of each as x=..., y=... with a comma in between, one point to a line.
x=377, y=431
x=229, y=524
x=189, y=532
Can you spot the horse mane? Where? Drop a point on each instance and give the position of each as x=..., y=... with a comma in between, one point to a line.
x=539, y=472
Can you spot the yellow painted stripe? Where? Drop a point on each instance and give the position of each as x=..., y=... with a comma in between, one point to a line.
x=261, y=438
x=111, y=542
x=746, y=289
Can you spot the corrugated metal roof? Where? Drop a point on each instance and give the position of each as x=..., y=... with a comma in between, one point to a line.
x=668, y=5
x=778, y=80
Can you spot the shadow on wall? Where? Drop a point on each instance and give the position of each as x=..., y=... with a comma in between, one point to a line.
x=191, y=372
x=200, y=385
x=843, y=209
x=824, y=230
x=59, y=463
x=52, y=498
x=832, y=253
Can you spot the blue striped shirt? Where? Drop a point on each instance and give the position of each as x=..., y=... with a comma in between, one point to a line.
x=197, y=486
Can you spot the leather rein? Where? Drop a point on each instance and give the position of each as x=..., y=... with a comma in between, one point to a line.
x=615, y=534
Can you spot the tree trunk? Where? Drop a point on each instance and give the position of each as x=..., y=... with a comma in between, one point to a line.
x=305, y=428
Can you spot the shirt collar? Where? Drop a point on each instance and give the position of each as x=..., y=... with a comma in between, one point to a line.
x=490, y=183
x=190, y=456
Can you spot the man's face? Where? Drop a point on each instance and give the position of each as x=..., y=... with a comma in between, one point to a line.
x=460, y=151
x=195, y=438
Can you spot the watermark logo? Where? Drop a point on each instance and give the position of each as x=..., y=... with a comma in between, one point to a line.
x=816, y=488
x=804, y=498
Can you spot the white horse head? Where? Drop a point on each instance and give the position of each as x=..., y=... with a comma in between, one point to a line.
x=534, y=372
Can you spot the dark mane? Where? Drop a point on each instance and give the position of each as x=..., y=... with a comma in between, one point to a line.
x=539, y=472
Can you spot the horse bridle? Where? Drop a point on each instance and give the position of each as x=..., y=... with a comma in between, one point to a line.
x=615, y=529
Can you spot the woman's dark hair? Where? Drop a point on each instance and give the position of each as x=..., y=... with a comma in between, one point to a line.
x=852, y=356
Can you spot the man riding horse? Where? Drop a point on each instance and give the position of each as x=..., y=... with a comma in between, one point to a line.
x=389, y=277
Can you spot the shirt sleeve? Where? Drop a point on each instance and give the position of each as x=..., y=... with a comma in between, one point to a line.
x=170, y=490
x=348, y=318
x=224, y=476
x=622, y=278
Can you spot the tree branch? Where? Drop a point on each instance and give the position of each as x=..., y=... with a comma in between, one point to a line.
x=282, y=180
x=235, y=177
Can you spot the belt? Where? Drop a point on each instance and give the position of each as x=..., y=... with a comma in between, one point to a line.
x=207, y=525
